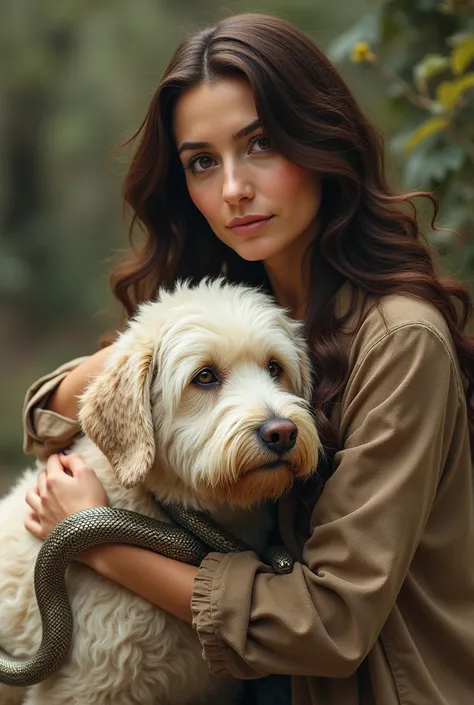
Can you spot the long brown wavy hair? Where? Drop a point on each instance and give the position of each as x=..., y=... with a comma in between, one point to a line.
x=367, y=235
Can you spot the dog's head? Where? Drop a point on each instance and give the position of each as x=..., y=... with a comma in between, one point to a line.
x=211, y=383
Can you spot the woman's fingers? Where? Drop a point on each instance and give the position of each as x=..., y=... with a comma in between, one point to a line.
x=33, y=500
x=74, y=463
x=33, y=525
x=54, y=466
x=42, y=484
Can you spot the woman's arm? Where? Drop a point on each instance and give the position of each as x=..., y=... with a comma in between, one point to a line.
x=64, y=400
x=162, y=581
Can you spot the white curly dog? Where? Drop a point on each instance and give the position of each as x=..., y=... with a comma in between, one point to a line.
x=203, y=402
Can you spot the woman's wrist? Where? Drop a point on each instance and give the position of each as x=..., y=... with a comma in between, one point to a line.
x=107, y=558
x=96, y=558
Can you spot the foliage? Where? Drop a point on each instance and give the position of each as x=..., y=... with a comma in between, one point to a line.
x=423, y=50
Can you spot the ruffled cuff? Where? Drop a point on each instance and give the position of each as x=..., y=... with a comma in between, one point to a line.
x=206, y=590
x=45, y=431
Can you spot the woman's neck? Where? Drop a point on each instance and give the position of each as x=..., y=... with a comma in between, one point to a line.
x=288, y=274
x=289, y=291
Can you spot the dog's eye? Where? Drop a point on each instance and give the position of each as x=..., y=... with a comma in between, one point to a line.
x=274, y=370
x=205, y=378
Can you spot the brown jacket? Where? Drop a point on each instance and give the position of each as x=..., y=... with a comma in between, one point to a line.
x=379, y=610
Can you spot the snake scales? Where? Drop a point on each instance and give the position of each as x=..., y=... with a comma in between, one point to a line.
x=194, y=536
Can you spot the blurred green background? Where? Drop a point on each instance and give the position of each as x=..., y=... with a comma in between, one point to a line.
x=75, y=81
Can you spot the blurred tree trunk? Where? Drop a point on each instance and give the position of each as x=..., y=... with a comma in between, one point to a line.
x=25, y=169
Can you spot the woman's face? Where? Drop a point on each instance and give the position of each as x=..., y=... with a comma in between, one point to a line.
x=233, y=173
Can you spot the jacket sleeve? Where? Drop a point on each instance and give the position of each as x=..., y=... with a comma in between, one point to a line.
x=44, y=431
x=397, y=419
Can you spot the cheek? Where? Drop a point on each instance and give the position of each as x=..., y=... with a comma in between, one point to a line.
x=206, y=199
x=290, y=186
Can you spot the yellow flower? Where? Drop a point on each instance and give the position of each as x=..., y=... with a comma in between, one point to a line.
x=362, y=52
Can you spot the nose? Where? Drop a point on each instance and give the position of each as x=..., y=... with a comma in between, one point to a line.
x=236, y=186
x=278, y=435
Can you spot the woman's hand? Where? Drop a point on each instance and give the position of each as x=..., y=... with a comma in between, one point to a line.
x=66, y=486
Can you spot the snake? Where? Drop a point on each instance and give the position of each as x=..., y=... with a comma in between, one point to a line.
x=189, y=539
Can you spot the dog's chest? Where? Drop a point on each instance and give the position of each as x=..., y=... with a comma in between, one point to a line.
x=252, y=526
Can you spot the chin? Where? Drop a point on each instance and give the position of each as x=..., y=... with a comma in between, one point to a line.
x=258, y=251
x=256, y=486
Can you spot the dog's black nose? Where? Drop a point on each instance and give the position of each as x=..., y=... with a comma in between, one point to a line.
x=278, y=435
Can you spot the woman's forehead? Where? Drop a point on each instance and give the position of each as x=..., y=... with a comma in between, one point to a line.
x=211, y=110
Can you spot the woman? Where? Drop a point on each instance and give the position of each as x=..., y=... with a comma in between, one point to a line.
x=255, y=160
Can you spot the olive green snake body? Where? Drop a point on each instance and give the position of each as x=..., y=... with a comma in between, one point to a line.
x=189, y=540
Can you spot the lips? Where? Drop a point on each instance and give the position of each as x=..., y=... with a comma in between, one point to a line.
x=247, y=220
x=250, y=225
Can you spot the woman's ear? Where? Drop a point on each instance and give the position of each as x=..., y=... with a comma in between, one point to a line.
x=115, y=413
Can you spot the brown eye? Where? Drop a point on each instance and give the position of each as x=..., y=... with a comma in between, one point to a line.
x=200, y=164
x=205, y=378
x=274, y=370
x=261, y=140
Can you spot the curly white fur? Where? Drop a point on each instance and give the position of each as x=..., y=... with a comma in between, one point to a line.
x=150, y=429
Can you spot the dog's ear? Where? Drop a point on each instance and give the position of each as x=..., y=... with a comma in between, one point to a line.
x=303, y=373
x=115, y=413
x=305, y=370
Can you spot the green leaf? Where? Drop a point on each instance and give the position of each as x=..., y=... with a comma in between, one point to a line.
x=428, y=67
x=449, y=93
x=458, y=37
x=429, y=167
x=462, y=55
x=426, y=129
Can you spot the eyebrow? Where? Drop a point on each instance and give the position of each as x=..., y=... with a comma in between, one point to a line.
x=243, y=132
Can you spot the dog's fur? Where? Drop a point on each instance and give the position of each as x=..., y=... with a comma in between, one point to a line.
x=150, y=429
